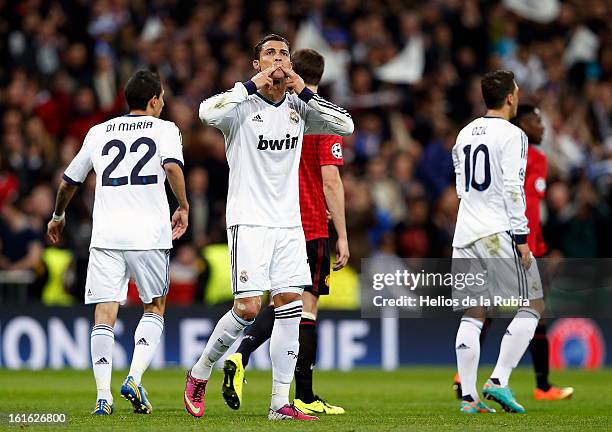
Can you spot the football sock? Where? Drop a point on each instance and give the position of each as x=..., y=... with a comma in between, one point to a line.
x=539, y=354
x=227, y=330
x=467, y=348
x=514, y=343
x=259, y=332
x=102, y=343
x=284, y=348
x=146, y=338
x=306, y=360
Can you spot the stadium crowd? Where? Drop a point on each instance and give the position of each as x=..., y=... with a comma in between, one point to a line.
x=407, y=70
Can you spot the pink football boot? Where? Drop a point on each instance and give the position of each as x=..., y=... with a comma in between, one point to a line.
x=289, y=412
x=194, y=395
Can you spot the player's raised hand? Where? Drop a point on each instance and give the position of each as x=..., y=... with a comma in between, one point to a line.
x=264, y=78
x=294, y=81
x=525, y=255
x=180, y=222
x=342, y=254
x=54, y=230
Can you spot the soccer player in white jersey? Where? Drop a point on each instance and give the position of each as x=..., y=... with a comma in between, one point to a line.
x=490, y=157
x=132, y=231
x=263, y=126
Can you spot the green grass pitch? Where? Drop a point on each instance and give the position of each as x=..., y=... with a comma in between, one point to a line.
x=409, y=399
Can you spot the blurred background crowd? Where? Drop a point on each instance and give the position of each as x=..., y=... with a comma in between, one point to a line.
x=408, y=71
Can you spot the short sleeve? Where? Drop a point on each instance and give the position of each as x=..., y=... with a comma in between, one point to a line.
x=82, y=163
x=171, y=145
x=330, y=150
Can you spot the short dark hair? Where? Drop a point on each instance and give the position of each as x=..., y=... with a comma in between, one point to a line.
x=308, y=64
x=270, y=37
x=140, y=88
x=496, y=86
x=522, y=111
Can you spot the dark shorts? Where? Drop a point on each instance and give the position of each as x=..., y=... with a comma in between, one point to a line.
x=318, y=260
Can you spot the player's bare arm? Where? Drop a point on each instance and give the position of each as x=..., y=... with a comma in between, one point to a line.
x=180, y=218
x=334, y=197
x=525, y=255
x=56, y=225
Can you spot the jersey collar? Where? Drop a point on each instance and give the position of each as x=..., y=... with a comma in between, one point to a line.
x=275, y=104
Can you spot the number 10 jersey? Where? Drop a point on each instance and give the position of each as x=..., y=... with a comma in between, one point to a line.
x=128, y=153
x=489, y=157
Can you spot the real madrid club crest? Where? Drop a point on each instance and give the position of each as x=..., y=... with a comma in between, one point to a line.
x=294, y=117
x=243, y=276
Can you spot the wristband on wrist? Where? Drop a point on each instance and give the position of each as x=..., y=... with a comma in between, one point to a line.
x=59, y=218
x=520, y=239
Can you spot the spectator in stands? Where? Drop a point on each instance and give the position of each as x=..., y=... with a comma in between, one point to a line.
x=64, y=64
x=21, y=246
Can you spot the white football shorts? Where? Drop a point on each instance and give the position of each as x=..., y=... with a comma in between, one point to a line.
x=109, y=271
x=497, y=258
x=267, y=259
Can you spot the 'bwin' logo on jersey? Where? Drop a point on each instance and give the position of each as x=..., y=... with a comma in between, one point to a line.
x=288, y=143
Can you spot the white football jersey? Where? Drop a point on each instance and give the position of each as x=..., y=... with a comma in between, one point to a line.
x=263, y=143
x=490, y=157
x=127, y=153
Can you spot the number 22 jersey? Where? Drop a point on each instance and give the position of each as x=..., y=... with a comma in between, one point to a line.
x=127, y=153
x=489, y=157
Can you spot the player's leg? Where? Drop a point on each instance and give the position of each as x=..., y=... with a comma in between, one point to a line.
x=102, y=344
x=250, y=253
x=515, y=341
x=146, y=340
x=284, y=349
x=467, y=349
x=147, y=337
x=284, y=345
x=259, y=332
x=513, y=345
x=540, y=357
x=150, y=271
x=317, y=251
x=467, y=342
x=106, y=287
x=305, y=398
x=514, y=281
x=539, y=350
x=304, y=394
x=225, y=333
x=538, y=347
x=483, y=336
x=289, y=273
x=235, y=364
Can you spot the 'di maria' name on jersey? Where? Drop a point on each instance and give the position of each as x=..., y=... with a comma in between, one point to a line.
x=125, y=127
